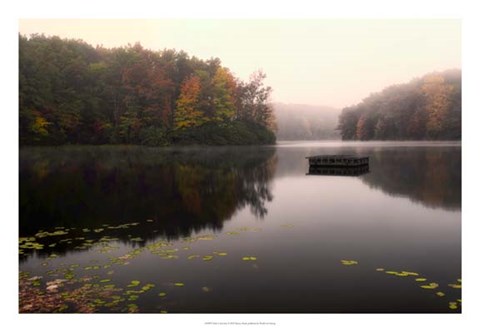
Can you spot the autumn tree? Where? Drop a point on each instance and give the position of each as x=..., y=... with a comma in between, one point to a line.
x=71, y=92
x=224, y=87
x=425, y=108
x=187, y=112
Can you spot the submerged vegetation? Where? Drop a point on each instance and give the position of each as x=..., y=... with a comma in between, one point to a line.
x=73, y=93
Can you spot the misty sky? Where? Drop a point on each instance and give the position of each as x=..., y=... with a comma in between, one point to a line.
x=323, y=62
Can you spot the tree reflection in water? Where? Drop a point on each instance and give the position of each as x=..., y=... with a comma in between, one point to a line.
x=430, y=176
x=180, y=191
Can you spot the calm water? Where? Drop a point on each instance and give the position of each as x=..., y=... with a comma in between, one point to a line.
x=244, y=230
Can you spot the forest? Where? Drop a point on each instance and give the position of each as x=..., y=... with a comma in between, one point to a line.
x=426, y=108
x=73, y=93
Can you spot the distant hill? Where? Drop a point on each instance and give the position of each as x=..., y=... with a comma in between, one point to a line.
x=427, y=108
x=306, y=122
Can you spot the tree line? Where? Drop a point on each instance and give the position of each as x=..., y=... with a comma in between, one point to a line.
x=428, y=108
x=73, y=93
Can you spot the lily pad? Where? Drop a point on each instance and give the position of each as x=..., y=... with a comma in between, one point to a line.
x=162, y=294
x=431, y=285
x=441, y=294
x=453, y=305
x=193, y=256
x=249, y=258
x=207, y=258
x=147, y=287
x=420, y=279
x=206, y=238
x=348, y=262
x=132, y=307
x=179, y=284
x=456, y=286
x=134, y=283
x=380, y=269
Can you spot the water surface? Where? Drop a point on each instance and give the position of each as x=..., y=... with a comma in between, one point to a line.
x=244, y=229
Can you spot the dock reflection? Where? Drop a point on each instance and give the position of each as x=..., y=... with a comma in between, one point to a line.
x=339, y=171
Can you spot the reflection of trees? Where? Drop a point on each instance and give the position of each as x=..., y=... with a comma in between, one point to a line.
x=181, y=190
x=430, y=176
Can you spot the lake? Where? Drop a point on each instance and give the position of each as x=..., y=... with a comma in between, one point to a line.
x=240, y=229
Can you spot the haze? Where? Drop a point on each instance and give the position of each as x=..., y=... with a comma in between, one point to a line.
x=320, y=62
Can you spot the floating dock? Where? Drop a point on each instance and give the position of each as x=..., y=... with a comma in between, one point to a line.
x=338, y=165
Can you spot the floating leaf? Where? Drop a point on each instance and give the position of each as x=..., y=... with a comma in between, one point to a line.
x=441, y=294
x=132, y=307
x=179, y=284
x=136, y=239
x=453, y=305
x=149, y=220
x=420, y=279
x=147, y=287
x=206, y=289
x=431, y=285
x=380, y=269
x=105, y=280
x=206, y=238
x=133, y=297
x=415, y=274
x=233, y=233
x=348, y=262
x=249, y=258
x=26, y=239
x=207, y=258
x=193, y=256
x=402, y=274
x=456, y=286
x=162, y=294
x=222, y=254
x=134, y=283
